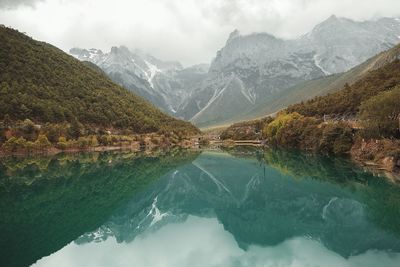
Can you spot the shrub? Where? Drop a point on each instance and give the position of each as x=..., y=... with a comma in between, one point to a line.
x=204, y=142
x=272, y=129
x=42, y=142
x=62, y=143
x=105, y=140
x=380, y=115
x=15, y=143
x=83, y=142
x=309, y=133
x=27, y=130
x=155, y=140
x=54, y=131
x=337, y=138
x=30, y=146
x=93, y=142
x=293, y=134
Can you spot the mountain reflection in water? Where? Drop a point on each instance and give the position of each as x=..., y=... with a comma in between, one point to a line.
x=240, y=207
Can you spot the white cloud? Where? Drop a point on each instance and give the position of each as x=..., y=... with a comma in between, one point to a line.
x=10, y=4
x=187, y=30
x=200, y=242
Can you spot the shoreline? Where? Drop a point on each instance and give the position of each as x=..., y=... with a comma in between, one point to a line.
x=136, y=147
x=54, y=151
x=378, y=155
x=378, y=170
x=382, y=164
x=387, y=166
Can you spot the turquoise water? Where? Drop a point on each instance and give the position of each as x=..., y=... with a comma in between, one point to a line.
x=238, y=207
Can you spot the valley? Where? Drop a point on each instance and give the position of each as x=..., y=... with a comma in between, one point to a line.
x=254, y=74
x=361, y=120
x=199, y=133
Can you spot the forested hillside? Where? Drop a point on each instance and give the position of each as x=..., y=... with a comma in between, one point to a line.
x=41, y=83
x=347, y=101
x=329, y=84
x=362, y=118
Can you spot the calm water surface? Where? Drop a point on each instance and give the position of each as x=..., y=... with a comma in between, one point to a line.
x=238, y=207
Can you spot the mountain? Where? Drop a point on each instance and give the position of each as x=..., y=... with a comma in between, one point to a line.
x=365, y=98
x=252, y=71
x=379, y=74
x=44, y=84
x=338, y=122
x=164, y=83
x=333, y=83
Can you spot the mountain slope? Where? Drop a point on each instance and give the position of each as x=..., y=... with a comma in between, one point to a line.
x=346, y=102
x=165, y=84
x=269, y=67
x=325, y=85
x=42, y=83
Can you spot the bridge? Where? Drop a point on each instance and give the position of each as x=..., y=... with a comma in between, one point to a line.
x=239, y=142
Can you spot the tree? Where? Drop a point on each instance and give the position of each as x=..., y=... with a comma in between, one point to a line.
x=62, y=143
x=76, y=129
x=337, y=138
x=83, y=142
x=42, y=142
x=15, y=143
x=93, y=141
x=54, y=131
x=27, y=130
x=379, y=115
x=271, y=130
x=7, y=121
x=105, y=140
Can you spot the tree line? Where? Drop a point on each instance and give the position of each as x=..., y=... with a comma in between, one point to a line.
x=42, y=84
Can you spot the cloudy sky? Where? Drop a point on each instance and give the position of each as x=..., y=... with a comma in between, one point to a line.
x=190, y=31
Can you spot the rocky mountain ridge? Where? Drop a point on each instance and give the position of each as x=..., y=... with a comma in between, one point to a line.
x=249, y=71
x=164, y=83
x=264, y=66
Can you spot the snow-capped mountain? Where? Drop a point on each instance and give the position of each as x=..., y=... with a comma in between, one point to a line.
x=164, y=83
x=250, y=69
x=341, y=43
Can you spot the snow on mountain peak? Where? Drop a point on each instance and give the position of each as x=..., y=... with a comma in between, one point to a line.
x=152, y=69
x=91, y=54
x=262, y=65
x=164, y=83
x=233, y=35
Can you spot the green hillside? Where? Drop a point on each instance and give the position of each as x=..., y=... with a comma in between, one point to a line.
x=346, y=102
x=319, y=87
x=367, y=109
x=42, y=83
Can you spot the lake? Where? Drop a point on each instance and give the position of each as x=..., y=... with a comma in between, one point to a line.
x=234, y=207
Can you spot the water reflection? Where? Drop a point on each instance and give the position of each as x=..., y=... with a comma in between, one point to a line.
x=204, y=242
x=240, y=207
x=46, y=202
